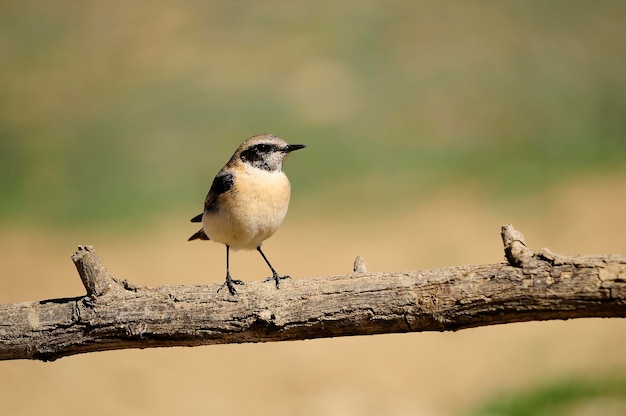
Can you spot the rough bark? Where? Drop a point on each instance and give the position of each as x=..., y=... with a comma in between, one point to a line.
x=117, y=315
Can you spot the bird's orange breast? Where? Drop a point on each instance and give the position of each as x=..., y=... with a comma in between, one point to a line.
x=251, y=211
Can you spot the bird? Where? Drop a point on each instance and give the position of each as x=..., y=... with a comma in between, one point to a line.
x=248, y=200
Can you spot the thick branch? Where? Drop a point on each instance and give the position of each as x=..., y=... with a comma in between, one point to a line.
x=535, y=286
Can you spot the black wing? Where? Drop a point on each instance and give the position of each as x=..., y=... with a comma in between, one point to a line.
x=222, y=183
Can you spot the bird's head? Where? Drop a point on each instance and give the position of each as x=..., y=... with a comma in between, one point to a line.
x=265, y=151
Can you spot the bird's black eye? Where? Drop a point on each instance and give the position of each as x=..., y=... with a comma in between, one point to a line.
x=263, y=148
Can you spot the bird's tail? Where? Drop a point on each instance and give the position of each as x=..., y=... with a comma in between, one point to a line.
x=200, y=235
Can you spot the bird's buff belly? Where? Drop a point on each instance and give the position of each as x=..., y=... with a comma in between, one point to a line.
x=246, y=225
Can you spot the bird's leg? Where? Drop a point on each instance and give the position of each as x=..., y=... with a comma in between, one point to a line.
x=275, y=277
x=229, y=280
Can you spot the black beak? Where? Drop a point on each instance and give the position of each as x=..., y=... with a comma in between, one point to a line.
x=292, y=147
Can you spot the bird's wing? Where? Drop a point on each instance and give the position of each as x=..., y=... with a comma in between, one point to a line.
x=222, y=183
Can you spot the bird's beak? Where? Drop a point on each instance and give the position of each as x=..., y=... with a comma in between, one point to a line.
x=291, y=147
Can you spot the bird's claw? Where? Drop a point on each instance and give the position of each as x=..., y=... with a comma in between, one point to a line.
x=229, y=284
x=276, y=278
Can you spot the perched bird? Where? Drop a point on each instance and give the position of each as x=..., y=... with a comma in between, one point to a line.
x=248, y=200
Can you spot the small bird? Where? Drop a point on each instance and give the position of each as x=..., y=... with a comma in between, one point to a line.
x=248, y=200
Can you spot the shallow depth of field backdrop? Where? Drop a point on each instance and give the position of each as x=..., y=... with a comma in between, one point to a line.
x=428, y=125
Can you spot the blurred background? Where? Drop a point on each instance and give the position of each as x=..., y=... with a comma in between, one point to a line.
x=428, y=125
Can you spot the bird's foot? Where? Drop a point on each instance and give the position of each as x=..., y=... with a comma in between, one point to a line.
x=276, y=278
x=229, y=283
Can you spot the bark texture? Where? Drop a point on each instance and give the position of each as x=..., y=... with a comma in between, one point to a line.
x=117, y=315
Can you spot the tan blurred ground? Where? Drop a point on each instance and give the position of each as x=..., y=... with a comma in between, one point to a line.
x=411, y=374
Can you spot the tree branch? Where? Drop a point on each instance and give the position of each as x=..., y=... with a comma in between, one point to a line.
x=118, y=315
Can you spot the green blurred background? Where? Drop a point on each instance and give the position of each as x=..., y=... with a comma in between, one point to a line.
x=118, y=110
x=114, y=117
